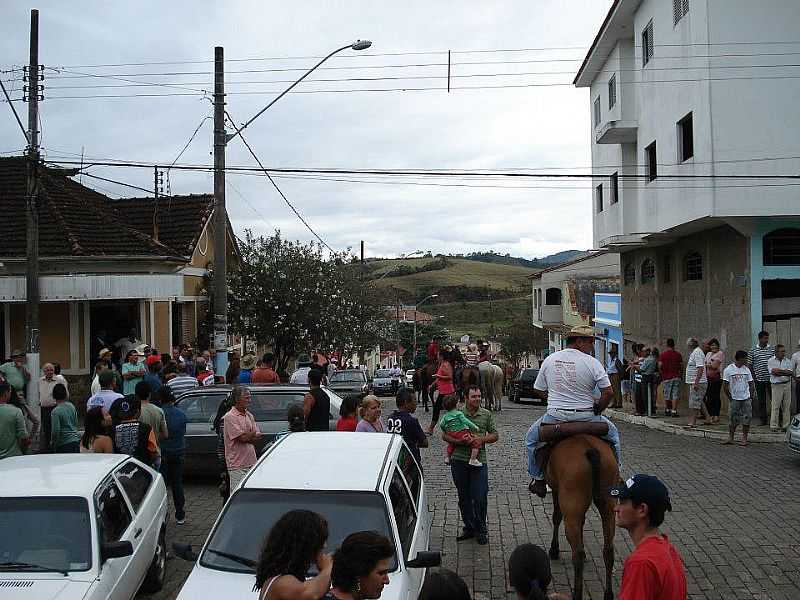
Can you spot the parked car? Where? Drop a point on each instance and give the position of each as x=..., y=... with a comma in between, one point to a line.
x=793, y=434
x=383, y=383
x=88, y=526
x=410, y=377
x=269, y=406
x=349, y=383
x=522, y=385
x=371, y=482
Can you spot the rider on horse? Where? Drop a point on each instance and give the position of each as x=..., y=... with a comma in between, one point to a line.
x=567, y=380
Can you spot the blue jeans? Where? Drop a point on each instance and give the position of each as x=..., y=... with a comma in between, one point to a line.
x=172, y=470
x=472, y=484
x=554, y=415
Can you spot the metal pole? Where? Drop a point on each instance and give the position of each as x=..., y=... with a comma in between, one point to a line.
x=32, y=220
x=155, y=203
x=220, y=338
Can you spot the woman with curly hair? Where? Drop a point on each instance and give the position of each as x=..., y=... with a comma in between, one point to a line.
x=361, y=567
x=294, y=543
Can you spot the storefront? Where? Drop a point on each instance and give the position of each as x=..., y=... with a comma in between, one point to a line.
x=608, y=324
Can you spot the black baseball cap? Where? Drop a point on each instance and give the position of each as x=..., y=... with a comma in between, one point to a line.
x=647, y=489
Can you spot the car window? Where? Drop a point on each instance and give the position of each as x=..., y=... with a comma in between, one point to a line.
x=408, y=464
x=200, y=408
x=135, y=481
x=114, y=515
x=271, y=406
x=383, y=373
x=529, y=375
x=404, y=514
x=347, y=376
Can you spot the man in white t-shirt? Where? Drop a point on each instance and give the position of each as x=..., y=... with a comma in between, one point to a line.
x=697, y=381
x=567, y=379
x=737, y=379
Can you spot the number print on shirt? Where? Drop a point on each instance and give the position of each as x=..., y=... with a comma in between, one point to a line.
x=394, y=426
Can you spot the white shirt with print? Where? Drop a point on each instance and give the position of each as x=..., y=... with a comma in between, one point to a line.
x=569, y=377
x=738, y=379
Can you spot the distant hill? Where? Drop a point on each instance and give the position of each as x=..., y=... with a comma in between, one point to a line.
x=535, y=263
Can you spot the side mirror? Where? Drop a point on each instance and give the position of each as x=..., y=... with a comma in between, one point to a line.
x=115, y=550
x=184, y=551
x=425, y=560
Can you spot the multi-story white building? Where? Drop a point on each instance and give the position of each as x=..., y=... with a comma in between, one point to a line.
x=694, y=107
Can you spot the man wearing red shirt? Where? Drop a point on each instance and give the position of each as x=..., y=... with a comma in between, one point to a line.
x=264, y=373
x=669, y=365
x=654, y=570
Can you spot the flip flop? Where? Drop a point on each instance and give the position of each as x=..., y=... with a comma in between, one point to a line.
x=727, y=443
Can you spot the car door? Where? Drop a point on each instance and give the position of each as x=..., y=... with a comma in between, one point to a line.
x=405, y=518
x=137, y=483
x=416, y=486
x=201, y=410
x=114, y=524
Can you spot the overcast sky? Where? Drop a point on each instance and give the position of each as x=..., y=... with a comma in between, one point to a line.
x=507, y=128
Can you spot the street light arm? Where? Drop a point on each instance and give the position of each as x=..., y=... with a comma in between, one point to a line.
x=286, y=91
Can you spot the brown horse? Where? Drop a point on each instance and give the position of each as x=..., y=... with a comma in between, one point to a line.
x=467, y=377
x=423, y=380
x=582, y=470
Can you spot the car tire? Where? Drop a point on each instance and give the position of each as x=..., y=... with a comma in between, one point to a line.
x=156, y=574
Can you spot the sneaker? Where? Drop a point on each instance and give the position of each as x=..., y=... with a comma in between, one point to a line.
x=180, y=521
x=474, y=462
x=482, y=539
x=465, y=535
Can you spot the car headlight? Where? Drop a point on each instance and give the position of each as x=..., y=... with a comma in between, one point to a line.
x=795, y=423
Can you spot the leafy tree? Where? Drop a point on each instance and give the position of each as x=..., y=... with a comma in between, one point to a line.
x=520, y=338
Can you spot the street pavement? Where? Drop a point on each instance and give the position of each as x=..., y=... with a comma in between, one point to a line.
x=735, y=518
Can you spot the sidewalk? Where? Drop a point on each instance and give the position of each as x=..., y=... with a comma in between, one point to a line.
x=677, y=426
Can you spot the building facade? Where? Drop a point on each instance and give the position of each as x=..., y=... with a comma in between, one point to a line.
x=693, y=124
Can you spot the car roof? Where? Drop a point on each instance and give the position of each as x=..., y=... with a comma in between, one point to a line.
x=253, y=387
x=325, y=460
x=56, y=474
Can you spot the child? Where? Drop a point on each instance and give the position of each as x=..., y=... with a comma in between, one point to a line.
x=457, y=425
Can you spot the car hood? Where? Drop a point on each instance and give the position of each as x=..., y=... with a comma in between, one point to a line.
x=207, y=583
x=31, y=587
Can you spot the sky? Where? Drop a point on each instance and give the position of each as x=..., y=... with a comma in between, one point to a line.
x=540, y=126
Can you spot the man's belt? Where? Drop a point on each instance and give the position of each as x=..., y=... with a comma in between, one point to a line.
x=574, y=409
x=550, y=432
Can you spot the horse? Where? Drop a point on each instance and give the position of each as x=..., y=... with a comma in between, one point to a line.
x=467, y=376
x=581, y=470
x=491, y=385
x=423, y=380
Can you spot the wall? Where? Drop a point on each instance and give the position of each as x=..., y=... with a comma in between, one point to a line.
x=163, y=326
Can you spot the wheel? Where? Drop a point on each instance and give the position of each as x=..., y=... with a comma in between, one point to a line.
x=154, y=580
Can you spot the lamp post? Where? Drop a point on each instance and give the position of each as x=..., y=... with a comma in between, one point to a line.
x=415, y=317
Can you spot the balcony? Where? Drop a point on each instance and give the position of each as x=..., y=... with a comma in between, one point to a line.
x=617, y=132
x=551, y=313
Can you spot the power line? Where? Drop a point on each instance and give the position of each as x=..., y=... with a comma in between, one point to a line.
x=191, y=138
x=135, y=187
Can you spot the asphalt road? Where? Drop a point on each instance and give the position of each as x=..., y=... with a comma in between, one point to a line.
x=735, y=518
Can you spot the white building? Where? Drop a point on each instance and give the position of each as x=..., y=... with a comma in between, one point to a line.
x=694, y=106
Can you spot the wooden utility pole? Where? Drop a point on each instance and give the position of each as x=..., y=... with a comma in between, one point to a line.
x=220, y=316
x=32, y=218
x=156, y=190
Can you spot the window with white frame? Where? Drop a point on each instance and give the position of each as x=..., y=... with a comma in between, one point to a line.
x=679, y=10
x=647, y=43
x=612, y=91
x=597, y=111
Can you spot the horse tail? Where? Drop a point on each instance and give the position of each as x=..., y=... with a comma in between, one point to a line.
x=593, y=456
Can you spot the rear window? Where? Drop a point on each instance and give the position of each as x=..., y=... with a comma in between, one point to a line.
x=383, y=373
x=349, y=377
x=240, y=535
x=269, y=406
x=529, y=375
x=200, y=408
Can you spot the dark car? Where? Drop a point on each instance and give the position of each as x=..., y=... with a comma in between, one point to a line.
x=269, y=406
x=349, y=383
x=522, y=385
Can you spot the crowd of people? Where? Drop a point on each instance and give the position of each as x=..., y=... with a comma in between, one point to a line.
x=757, y=383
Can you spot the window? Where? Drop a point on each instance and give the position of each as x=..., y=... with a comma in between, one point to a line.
x=612, y=91
x=598, y=197
x=652, y=162
x=135, y=481
x=666, y=270
x=114, y=513
x=782, y=247
x=685, y=138
x=408, y=464
x=201, y=408
x=629, y=274
x=647, y=43
x=648, y=273
x=614, y=188
x=552, y=296
x=404, y=513
x=273, y=407
x=693, y=267
x=597, y=111
x=679, y=9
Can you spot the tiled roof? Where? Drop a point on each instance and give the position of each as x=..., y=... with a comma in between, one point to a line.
x=75, y=220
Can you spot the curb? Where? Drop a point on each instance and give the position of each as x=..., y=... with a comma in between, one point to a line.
x=651, y=423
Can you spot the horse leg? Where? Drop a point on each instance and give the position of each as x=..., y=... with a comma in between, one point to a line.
x=606, y=509
x=555, y=552
x=573, y=527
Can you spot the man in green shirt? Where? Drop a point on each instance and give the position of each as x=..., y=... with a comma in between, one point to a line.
x=153, y=416
x=472, y=483
x=64, y=436
x=132, y=373
x=13, y=433
x=15, y=373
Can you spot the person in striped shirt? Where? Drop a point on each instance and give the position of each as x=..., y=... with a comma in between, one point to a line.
x=757, y=360
x=183, y=382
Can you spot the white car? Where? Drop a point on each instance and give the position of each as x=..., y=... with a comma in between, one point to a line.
x=356, y=481
x=793, y=434
x=80, y=526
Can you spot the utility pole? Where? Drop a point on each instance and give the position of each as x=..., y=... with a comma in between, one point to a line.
x=32, y=219
x=158, y=179
x=220, y=316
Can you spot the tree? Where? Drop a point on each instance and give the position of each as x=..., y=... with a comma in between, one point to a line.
x=520, y=338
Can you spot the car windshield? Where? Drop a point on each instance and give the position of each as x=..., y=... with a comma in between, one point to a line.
x=239, y=535
x=269, y=406
x=529, y=375
x=347, y=377
x=45, y=534
x=383, y=373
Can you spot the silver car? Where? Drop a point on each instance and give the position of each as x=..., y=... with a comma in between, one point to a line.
x=269, y=406
x=793, y=434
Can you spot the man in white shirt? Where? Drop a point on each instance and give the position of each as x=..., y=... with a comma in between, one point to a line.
x=737, y=379
x=697, y=381
x=47, y=403
x=566, y=380
x=106, y=397
x=780, y=379
x=300, y=376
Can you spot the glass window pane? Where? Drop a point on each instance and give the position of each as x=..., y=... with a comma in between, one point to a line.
x=115, y=517
x=408, y=464
x=404, y=513
x=272, y=406
x=200, y=408
x=136, y=482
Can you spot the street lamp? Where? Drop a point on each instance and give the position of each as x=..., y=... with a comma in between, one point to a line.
x=415, y=318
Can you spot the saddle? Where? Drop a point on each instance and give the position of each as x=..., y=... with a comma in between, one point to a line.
x=551, y=434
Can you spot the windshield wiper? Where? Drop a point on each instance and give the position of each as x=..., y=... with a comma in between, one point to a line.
x=26, y=565
x=247, y=562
